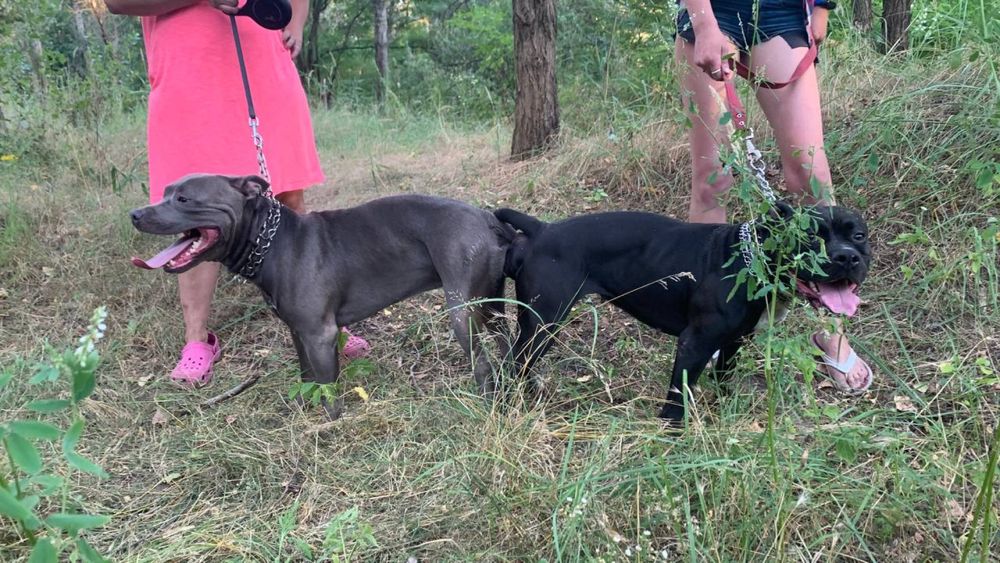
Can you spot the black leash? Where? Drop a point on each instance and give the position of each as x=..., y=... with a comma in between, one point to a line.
x=269, y=227
x=258, y=141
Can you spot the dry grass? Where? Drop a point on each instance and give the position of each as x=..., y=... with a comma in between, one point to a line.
x=436, y=473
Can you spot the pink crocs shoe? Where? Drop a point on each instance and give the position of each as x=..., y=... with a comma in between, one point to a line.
x=194, y=370
x=355, y=347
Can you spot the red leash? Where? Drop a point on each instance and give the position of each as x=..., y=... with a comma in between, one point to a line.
x=736, y=109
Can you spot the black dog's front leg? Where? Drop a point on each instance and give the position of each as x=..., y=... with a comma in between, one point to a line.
x=694, y=350
x=320, y=363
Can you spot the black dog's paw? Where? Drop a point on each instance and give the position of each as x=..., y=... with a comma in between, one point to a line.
x=672, y=414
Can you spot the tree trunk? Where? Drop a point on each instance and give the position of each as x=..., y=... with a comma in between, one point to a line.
x=309, y=58
x=536, y=105
x=896, y=14
x=78, y=60
x=381, y=8
x=862, y=14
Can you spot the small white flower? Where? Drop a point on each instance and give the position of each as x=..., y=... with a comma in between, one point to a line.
x=646, y=533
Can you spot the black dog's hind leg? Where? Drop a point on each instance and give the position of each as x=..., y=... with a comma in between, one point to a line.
x=538, y=319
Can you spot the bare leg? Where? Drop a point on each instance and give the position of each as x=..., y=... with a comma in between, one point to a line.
x=196, y=287
x=708, y=180
x=794, y=114
x=294, y=200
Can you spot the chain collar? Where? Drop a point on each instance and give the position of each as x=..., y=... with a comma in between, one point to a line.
x=749, y=245
x=262, y=244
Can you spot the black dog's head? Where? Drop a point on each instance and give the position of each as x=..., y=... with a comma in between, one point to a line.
x=208, y=211
x=843, y=235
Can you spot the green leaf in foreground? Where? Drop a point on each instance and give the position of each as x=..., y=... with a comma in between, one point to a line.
x=48, y=405
x=10, y=506
x=23, y=453
x=35, y=429
x=88, y=553
x=44, y=552
x=73, y=523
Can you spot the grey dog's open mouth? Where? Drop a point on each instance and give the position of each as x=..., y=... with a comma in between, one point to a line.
x=191, y=244
x=840, y=296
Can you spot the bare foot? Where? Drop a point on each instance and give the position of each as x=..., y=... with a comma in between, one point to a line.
x=848, y=372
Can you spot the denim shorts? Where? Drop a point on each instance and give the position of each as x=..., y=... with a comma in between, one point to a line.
x=749, y=22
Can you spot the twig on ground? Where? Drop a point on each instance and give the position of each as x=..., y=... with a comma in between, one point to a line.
x=246, y=384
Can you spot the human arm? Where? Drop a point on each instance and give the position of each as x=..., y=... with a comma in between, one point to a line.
x=292, y=34
x=820, y=19
x=713, y=51
x=146, y=7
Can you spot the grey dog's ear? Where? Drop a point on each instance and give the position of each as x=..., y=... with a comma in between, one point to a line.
x=249, y=186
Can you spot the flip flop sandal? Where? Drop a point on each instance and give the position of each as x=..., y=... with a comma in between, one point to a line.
x=194, y=370
x=355, y=347
x=844, y=368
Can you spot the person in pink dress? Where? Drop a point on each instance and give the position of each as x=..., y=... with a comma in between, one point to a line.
x=198, y=123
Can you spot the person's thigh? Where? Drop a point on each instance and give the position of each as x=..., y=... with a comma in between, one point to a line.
x=795, y=115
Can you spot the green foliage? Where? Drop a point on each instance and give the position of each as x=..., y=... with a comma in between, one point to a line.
x=29, y=483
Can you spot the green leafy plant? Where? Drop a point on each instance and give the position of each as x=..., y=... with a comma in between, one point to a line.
x=29, y=478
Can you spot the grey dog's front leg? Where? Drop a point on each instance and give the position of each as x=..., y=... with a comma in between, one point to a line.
x=319, y=362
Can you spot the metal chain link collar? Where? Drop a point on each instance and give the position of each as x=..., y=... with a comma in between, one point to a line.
x=263, y=241
x=749, y=245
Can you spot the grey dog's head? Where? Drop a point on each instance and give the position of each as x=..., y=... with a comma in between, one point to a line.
x=843, y=234
x=207, y=211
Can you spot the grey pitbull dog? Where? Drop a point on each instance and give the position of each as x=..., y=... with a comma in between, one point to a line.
x=324, y=270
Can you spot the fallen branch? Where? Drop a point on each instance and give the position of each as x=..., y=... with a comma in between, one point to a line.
x=246, y=384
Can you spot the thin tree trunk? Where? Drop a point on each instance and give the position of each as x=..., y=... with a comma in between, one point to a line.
x=536, y=105
x=862, y=14
x=896, y=15
x=310, y=53
x=381, y=8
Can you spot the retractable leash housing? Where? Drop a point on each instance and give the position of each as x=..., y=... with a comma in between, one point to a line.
x=269, y=14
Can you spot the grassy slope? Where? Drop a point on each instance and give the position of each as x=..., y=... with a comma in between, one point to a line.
x=432, y=470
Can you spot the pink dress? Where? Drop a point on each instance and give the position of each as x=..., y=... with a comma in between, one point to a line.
x=197, y=108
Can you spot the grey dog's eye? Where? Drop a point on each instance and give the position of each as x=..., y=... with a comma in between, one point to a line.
x=182, y=199
x=860, y=237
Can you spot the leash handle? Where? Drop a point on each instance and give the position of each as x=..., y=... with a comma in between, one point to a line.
x=258, y=141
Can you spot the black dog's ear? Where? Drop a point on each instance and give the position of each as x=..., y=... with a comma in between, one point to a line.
x=249, y=186
x=781, y=211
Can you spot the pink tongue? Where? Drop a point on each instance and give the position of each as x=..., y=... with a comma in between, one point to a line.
x=839, y=298
x=164, y=256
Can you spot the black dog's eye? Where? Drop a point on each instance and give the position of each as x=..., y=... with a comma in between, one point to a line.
x=860, y=237
x=182, y=199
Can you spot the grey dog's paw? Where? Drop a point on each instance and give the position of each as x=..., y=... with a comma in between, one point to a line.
x=334, y=410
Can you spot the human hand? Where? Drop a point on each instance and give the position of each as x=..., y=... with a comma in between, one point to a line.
x=229, y=7
x=820, y=18
x=714, y=53
x=291, y=36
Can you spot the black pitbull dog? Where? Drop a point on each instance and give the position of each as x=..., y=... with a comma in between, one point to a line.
x=321, y=271
x=680, y=278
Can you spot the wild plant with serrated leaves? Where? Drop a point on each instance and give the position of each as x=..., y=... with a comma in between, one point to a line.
x=29, y=477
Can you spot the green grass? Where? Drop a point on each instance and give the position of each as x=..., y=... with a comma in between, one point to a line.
x=769, y=468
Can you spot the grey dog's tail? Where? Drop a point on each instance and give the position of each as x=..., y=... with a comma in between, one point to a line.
x=529, y=227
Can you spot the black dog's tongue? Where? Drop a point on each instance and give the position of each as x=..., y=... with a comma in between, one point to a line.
x=166, y=255
x=839, y=297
